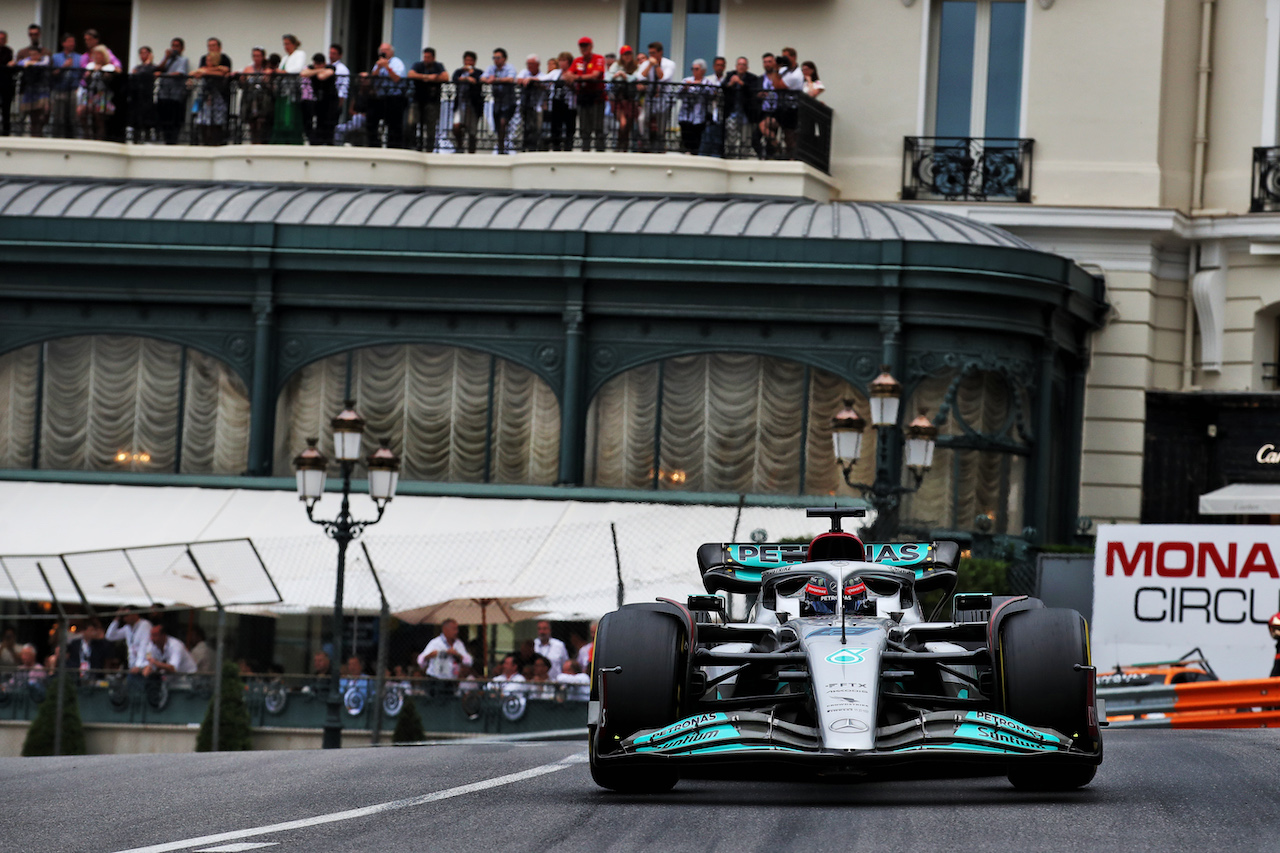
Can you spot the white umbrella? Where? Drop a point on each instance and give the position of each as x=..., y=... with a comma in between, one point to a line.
x=468, y=603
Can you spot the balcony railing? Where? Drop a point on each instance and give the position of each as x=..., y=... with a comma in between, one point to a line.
x=442, y=117
x=1266, y=181
x=965, y=168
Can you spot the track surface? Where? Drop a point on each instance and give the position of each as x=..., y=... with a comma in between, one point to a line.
x=1157, y=790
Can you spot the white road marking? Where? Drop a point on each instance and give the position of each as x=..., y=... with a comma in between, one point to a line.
x=352, y=814
x=238, y=847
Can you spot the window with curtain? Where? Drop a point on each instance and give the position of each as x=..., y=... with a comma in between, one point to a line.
x=977, y=68
x=121, y=403
x=968, y=481
x=723, y=422
x=452, y=414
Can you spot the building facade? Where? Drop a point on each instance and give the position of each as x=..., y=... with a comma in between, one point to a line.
x=1138, y=140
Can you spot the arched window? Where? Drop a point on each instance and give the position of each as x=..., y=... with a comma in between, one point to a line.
x=453, y=414
x=723, y=422
x=979, y=467
x=121, y=403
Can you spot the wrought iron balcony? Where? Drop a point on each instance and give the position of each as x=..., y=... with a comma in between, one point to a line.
x=1266, y=181
x=966, y=168
x=696, y=118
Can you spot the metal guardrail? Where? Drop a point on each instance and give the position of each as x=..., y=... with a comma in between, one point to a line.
x=1198, y=705
x=967, y=168
x=286, y=109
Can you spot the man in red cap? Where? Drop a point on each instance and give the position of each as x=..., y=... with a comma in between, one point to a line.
x=587, y=73
x=1273, y=625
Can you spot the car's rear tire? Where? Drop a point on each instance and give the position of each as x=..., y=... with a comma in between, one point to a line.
x=648, y=649
x=1039, y=653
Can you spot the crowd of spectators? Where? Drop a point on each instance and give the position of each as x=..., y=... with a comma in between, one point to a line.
x=629, y=101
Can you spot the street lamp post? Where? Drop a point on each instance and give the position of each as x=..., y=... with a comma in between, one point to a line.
x=384, y=473
x=920, y=436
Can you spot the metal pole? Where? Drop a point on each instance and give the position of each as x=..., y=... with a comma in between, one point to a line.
x=341, y=533
x=617, y=561
x=216, y=739
x=221, y=640
x=60, y=701
x=80, y=592
x=384, y=622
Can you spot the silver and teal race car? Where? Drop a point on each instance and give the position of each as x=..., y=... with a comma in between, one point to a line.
x=837, y=672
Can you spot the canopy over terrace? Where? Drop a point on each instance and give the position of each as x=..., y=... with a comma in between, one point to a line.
x=560, y=554
x=198, y=575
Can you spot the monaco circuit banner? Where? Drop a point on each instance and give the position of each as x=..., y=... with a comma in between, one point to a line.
x=1160, y=590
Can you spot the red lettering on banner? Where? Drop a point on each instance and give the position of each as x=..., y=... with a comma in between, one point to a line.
x=1188, y=552
x=1209, y=552
x=1265, y=565
x=1129, y=565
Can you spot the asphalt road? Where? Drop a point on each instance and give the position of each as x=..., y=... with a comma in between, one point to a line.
x=1157, y=790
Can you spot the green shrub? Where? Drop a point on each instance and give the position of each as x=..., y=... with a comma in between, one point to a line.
x=234, y=730
x=408, y=724
x=40, y=734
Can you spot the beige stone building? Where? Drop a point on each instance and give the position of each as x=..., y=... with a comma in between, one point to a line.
x=1145, y=115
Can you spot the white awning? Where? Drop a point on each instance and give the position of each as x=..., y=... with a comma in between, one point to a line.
x=1242, y=499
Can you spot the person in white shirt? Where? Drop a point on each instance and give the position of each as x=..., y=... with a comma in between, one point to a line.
x=390, y=97
x=533, y=95
x=340, y=69
x=295, y=60
x=445, y=654
x=579, y=689
x=135, y=632
x=167, y=654
x=549, y=647
x=509, y=681
x=659, y=99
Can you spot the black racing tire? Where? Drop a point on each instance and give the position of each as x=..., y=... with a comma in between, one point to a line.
x=649, y=647
x=1039, y=652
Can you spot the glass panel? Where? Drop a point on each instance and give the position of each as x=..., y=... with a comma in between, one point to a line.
x=655, y=25
x=701, y=34
x=1004, y=69
x=406, y=34
x=955, y=67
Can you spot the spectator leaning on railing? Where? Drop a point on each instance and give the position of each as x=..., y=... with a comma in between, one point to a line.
x=65, y=67
x=167, y=655
x=171, y=93
x=427, y=75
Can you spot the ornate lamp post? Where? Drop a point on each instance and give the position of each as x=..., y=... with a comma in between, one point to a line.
x=384, y=473
x=920, y=437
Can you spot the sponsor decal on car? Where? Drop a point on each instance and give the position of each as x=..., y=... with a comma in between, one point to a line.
x=1001, y=721
x=684, y=725
x=694, y=737
x=847, y=725
x=852, y=686
x=847, y=657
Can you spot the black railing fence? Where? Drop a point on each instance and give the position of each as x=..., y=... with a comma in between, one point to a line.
x=966, y=168
x=1266, y=181
x=459, y=116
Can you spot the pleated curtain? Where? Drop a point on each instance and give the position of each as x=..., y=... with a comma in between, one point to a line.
x=730, y=422
x=113, y=403
x=450, y=413
x=733, y=423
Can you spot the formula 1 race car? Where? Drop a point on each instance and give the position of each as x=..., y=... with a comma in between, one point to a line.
x=836, y=672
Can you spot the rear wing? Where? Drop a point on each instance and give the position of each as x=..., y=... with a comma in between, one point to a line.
x=736, y=567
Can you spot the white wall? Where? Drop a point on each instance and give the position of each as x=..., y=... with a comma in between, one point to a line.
x=241, y=24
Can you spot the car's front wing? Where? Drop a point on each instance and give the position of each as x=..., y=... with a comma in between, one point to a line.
x=972, y=736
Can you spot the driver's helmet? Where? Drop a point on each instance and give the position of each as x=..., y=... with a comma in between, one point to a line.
x=1274, y=625
x=857, y=602
x=818, y=599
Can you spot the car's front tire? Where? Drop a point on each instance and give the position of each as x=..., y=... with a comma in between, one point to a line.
x=1040, y=652
x=637, y=677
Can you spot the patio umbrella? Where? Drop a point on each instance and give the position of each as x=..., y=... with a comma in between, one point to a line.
x=469, y=604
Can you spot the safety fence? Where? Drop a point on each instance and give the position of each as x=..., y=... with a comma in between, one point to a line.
x=1200, y=705
x=463, y=116
x=467, y=706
